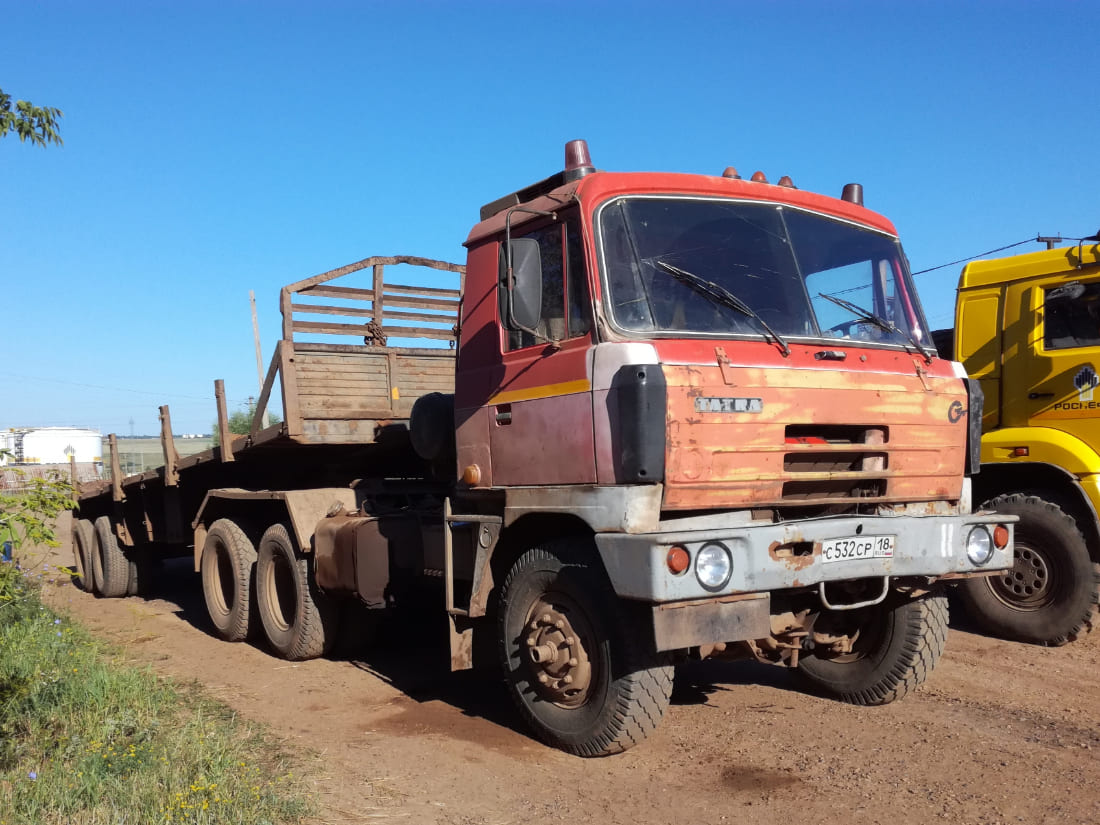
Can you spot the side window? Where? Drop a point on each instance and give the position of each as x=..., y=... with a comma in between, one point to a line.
x=1071, y=316
x=562, y=257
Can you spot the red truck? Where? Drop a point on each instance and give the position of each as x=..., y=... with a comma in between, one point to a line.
x=683, y=416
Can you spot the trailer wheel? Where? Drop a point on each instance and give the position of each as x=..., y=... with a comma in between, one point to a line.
x=1050, y=594
x=228, y=562
x=111, y=568
x=573, y=663
x=83, y=550
x=895, y=647
x=300, y=623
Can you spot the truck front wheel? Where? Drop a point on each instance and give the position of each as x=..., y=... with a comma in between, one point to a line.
x=228, y=562
x=300, y=623
x=1050, y=594
x=894, y=646
x=576, y=668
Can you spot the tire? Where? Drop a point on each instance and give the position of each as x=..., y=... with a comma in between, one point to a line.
x=299, y=622
x=83, y=550
x=227, y=567
x=556, y=605
x=898, y=646
x=111, y=568
x=1049, y=596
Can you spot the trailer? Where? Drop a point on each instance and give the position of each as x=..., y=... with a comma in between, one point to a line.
x=658, y=417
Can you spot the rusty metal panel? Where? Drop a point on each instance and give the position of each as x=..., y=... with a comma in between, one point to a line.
x=798, y=436
x=703, y=623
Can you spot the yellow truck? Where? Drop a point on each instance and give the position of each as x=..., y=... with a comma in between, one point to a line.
x=1028, y=328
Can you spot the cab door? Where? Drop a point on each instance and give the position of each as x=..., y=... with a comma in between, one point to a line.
x=540, y=413
x=1052, y=354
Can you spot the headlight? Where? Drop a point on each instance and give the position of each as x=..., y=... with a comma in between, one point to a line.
x=713, y=566
x=979, y=546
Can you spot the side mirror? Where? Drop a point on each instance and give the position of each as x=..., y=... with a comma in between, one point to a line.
x=525, y=286
x=1067, y=292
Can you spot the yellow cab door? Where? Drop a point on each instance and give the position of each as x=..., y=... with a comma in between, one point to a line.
x=1052, y=354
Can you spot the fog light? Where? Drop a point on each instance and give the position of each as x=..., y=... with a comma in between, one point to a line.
x=979, y=546
x=713, y=566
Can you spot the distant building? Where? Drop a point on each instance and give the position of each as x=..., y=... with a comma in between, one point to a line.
x=51, y=445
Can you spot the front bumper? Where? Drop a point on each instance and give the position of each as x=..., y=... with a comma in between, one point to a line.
x=774, y=557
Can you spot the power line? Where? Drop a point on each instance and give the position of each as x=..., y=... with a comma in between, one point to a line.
x=115, y=389
x=979, y=255
x=1036, y=239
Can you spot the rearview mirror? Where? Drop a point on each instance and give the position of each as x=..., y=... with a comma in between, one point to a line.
x=525, y=286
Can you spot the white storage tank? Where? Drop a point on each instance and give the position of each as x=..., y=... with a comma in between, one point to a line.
x=53, y=445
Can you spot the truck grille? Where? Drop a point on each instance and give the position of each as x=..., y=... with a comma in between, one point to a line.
x=836, y=462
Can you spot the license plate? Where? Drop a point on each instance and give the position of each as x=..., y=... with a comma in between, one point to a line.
x=858, y=547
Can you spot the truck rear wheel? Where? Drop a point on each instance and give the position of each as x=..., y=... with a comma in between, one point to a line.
x=83, y=549
x=894, y=649
x=300, y=623
x=111, y=568
x=1050, y=594
x=574, y=666
x=228, y=563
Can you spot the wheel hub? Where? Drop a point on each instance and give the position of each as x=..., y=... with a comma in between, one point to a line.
x=556, y=654
x=1027, y=585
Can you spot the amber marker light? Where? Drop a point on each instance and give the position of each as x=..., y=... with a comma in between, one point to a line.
x=1020, y=452
x=1000, y=536
x=472, y=475
x=678, y=560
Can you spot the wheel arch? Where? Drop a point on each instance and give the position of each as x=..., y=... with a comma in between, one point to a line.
x=1049, y=482
x=528, y=531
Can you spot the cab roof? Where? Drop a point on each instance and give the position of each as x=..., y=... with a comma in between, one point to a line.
x=1029, y=265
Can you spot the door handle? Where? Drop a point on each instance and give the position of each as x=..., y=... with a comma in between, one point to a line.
x=1032, y=396
x=504, y=414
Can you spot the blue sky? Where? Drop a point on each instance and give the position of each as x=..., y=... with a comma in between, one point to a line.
x=216, y=147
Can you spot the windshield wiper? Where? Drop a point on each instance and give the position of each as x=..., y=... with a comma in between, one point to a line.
x=722, y=296
x=880, y=322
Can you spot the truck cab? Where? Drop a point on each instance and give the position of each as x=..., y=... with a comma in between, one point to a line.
x=1028, y=328
x=719, y=398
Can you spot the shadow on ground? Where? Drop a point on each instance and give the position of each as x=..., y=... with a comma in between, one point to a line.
x=410, y=651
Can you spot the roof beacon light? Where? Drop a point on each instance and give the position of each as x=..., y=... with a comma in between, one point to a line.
x=759, y=177
x=578, y=162
x=731, y=173
x=853, y=193
x=786, y=181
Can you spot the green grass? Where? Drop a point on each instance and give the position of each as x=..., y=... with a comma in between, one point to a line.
x=86, y=738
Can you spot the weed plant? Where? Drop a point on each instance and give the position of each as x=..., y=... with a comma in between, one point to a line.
x=87, y=739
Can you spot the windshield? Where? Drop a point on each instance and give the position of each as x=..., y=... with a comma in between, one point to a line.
x=803, y=274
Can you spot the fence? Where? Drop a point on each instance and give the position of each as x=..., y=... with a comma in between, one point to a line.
x=18, y=479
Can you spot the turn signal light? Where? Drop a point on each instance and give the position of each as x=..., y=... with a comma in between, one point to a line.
x=678, y=560
x=1019, y=452
x=1000, y=536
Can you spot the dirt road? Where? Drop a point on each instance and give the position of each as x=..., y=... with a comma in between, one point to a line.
x=1001, y=733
